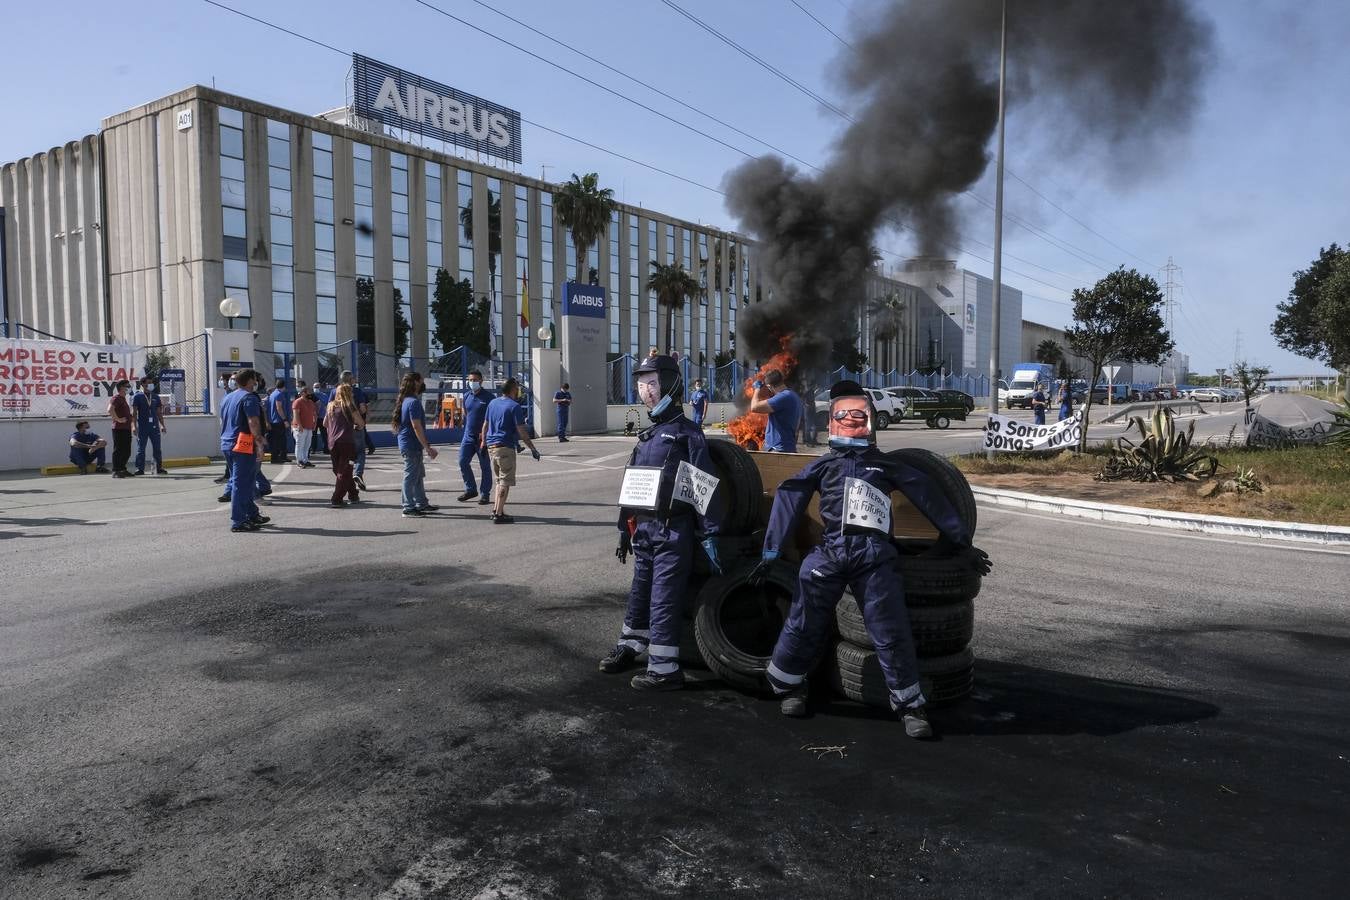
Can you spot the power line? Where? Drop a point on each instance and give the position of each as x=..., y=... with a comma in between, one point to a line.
x=576, y=74
x=638, y=81
x=590, y=144
x=1044, y=235
x=812, y=17
x=554, y=131
x=1076, y=219
x=748, y=55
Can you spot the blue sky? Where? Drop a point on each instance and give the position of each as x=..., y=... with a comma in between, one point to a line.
x=1239, y=201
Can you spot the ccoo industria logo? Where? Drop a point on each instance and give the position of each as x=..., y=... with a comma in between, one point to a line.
x=403, y=100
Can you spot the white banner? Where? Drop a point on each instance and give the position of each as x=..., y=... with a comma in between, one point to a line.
x=1263, y=432
x=63, y=379
x=1011, y=435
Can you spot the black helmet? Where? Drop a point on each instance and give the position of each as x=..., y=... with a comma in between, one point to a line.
x=667, y=371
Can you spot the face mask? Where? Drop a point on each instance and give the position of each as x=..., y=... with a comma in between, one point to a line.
x=475, y=386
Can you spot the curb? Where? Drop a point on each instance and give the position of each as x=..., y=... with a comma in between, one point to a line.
x=180, y=463
x=1329, y=535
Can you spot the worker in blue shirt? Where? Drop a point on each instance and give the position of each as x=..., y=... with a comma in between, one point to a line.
x=698, y=402
x=503, y=428
x=562, y=405
x=471, y=447
x=148, y=423
x=1038, y=401
x=87, y=447
x=241, y=414
x=1066, y=401
x=278, y=421
x=321, y=397
x=854, y=480
x=669, y=500
x=781, y=404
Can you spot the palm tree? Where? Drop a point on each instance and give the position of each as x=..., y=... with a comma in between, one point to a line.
x=1049, y=352
x=672, y=285
x=585, y=209
x=887, y=313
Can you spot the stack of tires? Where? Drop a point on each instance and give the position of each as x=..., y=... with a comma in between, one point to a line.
x=740, y=493
x=940, y=591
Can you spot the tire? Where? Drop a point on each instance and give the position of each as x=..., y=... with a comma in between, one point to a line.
x=936, y=580
x=690, y=656
x=938, y=630
x=930, y=423
x=737, y=624
x=953, y=483
x=941, y=421
x=856, y=674
x=883, y=421
x=739, y=484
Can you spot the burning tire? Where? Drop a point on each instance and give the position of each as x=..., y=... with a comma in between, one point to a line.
x=740, y=487
x=938, y=630
x=737, y=624
x=856, y=674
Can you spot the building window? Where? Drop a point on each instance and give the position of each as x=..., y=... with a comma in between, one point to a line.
x=522, y=287
x=233, y=201
x=398, y=188
x=546, y=255
x=464, y=184
x=652, y=310
x=435, y=243
x=494, y=206
x=325, y=267
x=634, y=288
x=283, y=237
x=615, y=291
x=363, y=194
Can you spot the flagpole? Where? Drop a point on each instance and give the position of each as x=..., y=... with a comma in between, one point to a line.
x=994, y=330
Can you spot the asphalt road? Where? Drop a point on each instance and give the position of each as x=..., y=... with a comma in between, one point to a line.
x=358, y=705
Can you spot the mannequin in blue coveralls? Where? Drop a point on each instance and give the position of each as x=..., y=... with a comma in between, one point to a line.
x=854, y=481
x=660, y=532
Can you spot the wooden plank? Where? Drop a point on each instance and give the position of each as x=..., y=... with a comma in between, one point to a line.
x=775, y=468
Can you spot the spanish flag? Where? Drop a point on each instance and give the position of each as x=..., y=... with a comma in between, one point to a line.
x=524, y=302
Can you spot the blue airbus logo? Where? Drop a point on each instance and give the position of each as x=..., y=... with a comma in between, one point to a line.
x=584, y=300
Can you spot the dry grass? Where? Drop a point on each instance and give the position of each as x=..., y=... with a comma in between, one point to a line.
x=1306, y=484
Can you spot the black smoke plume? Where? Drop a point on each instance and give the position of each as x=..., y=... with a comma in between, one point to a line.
x=920, y=81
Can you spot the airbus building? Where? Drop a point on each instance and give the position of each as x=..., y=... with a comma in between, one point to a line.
x=137, y=233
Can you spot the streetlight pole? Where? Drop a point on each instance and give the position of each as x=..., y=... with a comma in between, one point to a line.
x=994, y=330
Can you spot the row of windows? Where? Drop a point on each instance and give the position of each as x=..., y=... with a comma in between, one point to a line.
x=281, y=212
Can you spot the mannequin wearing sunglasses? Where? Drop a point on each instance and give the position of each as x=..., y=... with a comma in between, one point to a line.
x=854, y=480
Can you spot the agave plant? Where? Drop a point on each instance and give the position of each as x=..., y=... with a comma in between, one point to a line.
x=1162, y=453
x=1340, y=426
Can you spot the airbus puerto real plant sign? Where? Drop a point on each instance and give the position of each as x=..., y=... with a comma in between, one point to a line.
x=410, y=102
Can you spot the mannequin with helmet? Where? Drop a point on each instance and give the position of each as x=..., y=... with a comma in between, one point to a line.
x=854, y=480
x=659, y=527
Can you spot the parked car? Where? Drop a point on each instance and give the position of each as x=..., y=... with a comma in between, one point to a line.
x=1208, y=394
x=958, y=397
x=931, y=406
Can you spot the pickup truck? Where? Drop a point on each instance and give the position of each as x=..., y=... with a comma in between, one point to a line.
x=936, y=410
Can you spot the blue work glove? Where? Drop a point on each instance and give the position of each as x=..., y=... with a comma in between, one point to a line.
x=625, y=547
x=710, y=548
x=758, y=384
x=760, y=573
x=534, y=453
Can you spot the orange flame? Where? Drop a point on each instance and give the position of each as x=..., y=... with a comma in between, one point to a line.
x=748, y=428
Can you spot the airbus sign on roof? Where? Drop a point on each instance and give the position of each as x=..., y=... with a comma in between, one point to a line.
x=403, y=100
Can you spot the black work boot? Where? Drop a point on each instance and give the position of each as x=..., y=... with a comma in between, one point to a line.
x=649, y=681
x=793, y=703
x=915, y=719
x=620, y=659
